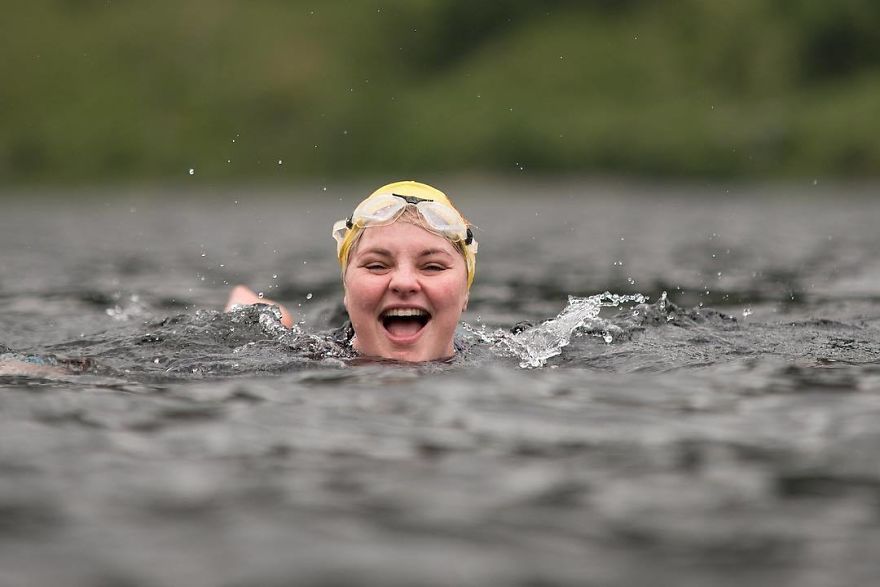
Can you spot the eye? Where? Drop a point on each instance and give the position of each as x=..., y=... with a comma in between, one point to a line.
x=434, y=267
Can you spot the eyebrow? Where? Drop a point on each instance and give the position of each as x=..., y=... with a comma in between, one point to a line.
x=387, y=253
x=375, y=251
x=429, y=252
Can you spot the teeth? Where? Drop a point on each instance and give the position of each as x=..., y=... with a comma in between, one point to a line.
x=404, y=312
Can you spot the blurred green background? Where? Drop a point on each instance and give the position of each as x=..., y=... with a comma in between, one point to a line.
x=118, y=90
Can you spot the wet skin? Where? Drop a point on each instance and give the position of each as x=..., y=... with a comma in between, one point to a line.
x=402, y=268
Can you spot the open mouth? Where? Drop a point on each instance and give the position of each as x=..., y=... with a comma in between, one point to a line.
x=404, y=323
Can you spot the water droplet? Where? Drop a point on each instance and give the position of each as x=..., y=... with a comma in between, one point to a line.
x=192, y=171
x=747, y=312
x=606, y=336
x=274, y=276
x=309, y=296
x=260, y=295
x=279, y=162
x=204, y=254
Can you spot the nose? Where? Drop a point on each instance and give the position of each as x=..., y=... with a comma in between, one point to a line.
x=404, y=281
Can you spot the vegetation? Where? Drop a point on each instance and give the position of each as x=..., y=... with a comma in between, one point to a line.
x=109, y=90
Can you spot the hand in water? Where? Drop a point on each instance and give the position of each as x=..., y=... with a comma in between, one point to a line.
x=241, y=295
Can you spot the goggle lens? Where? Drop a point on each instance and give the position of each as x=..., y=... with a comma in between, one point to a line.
x=443, y=219
x=385, y=208
x=379, y=210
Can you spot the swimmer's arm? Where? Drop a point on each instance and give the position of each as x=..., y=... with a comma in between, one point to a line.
x=16, y=367
x=241, y=295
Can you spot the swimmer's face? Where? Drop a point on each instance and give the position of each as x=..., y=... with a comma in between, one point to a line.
x=405, y=289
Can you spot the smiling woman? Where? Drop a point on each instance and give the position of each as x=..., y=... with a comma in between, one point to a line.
x=408, y=259
x=405, y=289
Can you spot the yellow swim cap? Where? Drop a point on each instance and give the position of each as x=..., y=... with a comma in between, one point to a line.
x=345, y=231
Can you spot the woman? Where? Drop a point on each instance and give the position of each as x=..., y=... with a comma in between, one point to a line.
x=408, y=259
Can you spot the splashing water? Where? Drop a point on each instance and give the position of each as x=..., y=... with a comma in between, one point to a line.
x=535, y=345
x=123, y=312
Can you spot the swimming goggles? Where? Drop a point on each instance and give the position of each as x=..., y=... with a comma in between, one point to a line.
x=384, y=209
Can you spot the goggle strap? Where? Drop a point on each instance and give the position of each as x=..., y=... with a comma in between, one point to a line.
x=411, y=199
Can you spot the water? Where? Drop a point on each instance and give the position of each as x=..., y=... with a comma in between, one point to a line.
x=724, y=434
x=535, y=344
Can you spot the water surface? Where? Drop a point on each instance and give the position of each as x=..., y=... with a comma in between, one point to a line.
x=726, y=434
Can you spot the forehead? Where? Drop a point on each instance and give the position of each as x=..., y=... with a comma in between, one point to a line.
x=403, y=238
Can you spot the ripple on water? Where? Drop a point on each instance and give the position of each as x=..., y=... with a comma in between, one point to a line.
x=699, y=446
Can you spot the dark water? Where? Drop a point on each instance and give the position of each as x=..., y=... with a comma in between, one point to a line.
x=726, y=435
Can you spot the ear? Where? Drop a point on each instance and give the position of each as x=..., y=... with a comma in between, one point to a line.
x=466, y=299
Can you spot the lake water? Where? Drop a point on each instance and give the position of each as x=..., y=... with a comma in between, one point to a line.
x=726, y=434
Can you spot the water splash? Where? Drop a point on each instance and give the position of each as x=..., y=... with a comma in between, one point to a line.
x=123, y=312
x=534, y=346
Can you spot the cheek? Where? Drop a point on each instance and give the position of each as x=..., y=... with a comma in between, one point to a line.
x=452, y=295
x=362, y=293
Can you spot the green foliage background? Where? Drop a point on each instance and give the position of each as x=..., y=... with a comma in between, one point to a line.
x=118, y=90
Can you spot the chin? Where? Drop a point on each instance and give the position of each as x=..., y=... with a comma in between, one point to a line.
x=407, y=354
x=419, y=356
x=420, y=341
